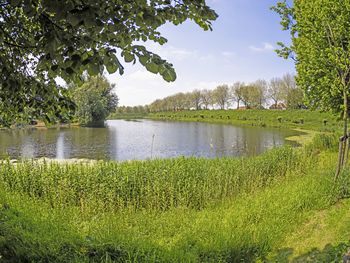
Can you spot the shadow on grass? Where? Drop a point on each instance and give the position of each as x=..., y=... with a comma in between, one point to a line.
x=330, y=253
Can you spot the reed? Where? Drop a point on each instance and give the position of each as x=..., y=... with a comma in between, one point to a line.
x=153, y=185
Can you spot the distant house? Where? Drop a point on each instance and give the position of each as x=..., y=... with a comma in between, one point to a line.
x=243, y=108
x=278, y=106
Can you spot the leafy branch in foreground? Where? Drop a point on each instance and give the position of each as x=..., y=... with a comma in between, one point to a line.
x=45, y=39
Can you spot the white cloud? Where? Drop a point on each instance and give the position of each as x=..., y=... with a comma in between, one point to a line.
x=228, y=54
x=207, y=58
x=142, y=75
x=172, y=53
x=265, y=47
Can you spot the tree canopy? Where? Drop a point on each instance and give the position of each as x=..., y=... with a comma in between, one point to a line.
x=41, y=40
x=94, y=100
x=320, y=48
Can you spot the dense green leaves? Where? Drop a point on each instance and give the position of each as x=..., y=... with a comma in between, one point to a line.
x=45, y=39
x=321, y=42
x=94, y=100
x=320, y=47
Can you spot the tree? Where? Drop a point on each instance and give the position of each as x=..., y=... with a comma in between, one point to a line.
x=195, y=99
x=295, y=98
x=236, y=92
x=320, y=46
x=258, y=93
x=276, y=91
x=206, y=98
x=95, y=100
x=221, y=96
x=41, y=40
x=245, y=95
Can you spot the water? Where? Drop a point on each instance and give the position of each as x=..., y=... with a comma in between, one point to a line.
x=142, y=139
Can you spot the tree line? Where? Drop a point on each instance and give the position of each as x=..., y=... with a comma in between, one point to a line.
x=278, y=93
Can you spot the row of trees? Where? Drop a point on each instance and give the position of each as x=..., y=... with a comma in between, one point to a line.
x=277, y=93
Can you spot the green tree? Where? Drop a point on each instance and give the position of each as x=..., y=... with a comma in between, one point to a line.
x=276, y=91
x=221, y=96
x=253, y=95
x=206, y=98
x=237, y=92
x=320, y=46
x=95, y=100
x=195, y=99
x=41, y=40
x=295, y=98
x=258, y=93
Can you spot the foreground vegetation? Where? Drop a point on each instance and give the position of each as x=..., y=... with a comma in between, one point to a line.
x=177, y=210
x=302, y=119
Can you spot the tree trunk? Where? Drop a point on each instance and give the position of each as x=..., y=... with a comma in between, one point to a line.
x=343, y=142
x=346, y=151
x=237, y=104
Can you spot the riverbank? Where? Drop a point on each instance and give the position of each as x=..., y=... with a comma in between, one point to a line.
x=289, y=119
x=248, y=209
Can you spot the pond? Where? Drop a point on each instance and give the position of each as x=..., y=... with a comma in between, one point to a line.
x=141, y=139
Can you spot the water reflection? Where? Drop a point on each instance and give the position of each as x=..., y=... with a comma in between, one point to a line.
x=125, y=140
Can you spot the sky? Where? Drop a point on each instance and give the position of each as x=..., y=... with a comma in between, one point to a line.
x=240, y=48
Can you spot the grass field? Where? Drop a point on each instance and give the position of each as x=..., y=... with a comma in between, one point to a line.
x=277, y=207
x=300, y=119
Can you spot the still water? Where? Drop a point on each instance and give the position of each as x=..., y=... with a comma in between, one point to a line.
x=141, y=139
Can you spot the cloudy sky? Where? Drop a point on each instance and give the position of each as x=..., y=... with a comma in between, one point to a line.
x=240, y=48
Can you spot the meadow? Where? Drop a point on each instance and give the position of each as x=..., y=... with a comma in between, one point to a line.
x=301, y=119
x=280, y=206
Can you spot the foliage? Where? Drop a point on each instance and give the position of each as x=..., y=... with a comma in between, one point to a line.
x=320, y=42
x=276, y=90
x=206, y=98
x=295, y=98
x=237, y=91
x=255, y=95
x=94, y=100
x=319, y=31
x=43, y=40
x=221, y=96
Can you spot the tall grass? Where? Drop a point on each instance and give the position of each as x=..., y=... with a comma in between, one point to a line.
x=154, y=185
x=241, y=229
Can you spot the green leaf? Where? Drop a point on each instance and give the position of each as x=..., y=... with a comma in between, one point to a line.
x=54, y=67
x=152, y=67
x=111, y=67
x=74, y=20
x=128, y=57
x=169, y=75
x=93, y=69
x=143, y=60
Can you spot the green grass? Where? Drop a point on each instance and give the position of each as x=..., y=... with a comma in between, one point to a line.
x=153, y=185
x=255, y=209
x=126, y=116
x=304, y=119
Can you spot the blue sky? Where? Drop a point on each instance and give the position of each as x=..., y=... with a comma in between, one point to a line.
x=240, y=48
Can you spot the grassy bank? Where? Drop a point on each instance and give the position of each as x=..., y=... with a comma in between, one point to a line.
x=300, y=119
x=126, y=116
x=178, y=210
